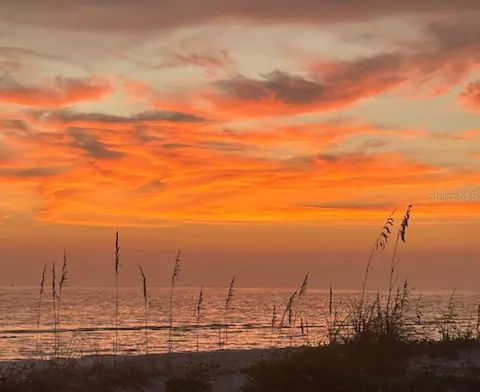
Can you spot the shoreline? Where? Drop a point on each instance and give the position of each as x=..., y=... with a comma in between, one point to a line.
x=177, y=358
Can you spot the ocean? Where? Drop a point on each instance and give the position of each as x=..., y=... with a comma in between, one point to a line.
x=87, y=314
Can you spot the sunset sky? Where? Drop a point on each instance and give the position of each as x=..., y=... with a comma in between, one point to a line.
x=264, y=138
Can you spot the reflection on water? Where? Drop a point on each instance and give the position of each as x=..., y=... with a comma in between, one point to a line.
x=87, y=317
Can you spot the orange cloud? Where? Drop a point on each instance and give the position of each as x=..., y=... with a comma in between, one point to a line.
x=59, y=92
x=170, y=172
x=203, y=186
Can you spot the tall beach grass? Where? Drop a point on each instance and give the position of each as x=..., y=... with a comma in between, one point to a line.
x=175, y=276
x=39, y=309
x=61, y=285
x=198, y=316
x=228, y=304
x=116, y=276
x=145, y=304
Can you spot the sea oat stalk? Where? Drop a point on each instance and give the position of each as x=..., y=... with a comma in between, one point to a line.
x=273, y=324
x=288, y=312
x=477, y=329
x=198, y=314
x=175, y=277
x=330, y=301
x=54, y=302
x=61, y=285
x=401, y=235
x=228, y=302
x=298, y=311
x=379, y=244
x=145, y=304
x=117, y=273
x=304, y=330
x=304, y=286
x=40, y=295
x=334, y=324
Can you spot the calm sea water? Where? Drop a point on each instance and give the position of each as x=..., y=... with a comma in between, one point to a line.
x=87, y=319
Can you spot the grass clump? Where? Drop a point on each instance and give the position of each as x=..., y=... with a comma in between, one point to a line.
x=344, y=367
x=384, y=366
x=389, y=318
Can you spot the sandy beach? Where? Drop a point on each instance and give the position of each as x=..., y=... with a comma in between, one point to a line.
x=223, y=368
x=425, y=365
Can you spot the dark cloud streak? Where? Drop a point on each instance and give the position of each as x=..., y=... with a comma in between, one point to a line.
x=85, y=141
x=154, y=115
x=449, y=52
x=30, y=172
